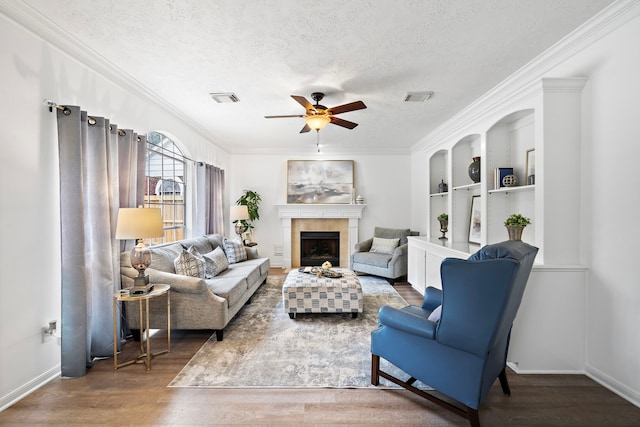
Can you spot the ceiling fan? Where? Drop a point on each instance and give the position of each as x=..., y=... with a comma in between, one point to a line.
x=318, y=116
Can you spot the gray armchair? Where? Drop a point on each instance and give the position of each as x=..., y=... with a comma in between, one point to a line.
x=383, y=259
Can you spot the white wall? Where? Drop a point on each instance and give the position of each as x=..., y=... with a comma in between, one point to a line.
x=611, y=201
x=383, y=181
x=609, y=192
x=32, y=69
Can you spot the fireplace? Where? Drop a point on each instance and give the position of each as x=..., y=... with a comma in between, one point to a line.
x=297, y=217
x=317, y=247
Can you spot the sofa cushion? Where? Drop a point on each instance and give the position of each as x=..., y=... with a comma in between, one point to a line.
x=215, y=240
x=235, y=251
x=201, y=244
x=162, y=257
x=251, y=272
x=229, y=287
x=190, y=263
x=372, y=258
x=261, y=263
x=384, y=246
x=216, y=262
x=392, y=233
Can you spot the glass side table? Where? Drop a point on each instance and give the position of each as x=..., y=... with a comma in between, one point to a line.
x=145, y=354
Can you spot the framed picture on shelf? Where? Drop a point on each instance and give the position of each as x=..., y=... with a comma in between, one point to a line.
x=319, y=181
x=475, y=220
x=499, y=175
x=531, y=166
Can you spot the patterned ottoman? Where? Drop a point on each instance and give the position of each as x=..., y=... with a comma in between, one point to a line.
x=307, y=293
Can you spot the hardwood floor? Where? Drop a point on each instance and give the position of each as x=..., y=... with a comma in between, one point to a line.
x=134, y=396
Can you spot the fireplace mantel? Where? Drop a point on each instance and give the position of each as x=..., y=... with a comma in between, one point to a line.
x=289, y=212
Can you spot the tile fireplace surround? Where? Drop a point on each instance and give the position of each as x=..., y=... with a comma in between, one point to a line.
x=318, y=217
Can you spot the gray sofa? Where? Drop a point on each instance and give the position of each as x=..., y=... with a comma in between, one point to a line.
x=196, y=303
x=392, y=265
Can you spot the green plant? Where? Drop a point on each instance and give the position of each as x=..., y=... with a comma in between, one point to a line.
x=517, y=220
x=251, y=200
x=443, y=217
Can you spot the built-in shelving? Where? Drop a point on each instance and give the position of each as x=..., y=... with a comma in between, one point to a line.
x=544, y=119
x=544, y=116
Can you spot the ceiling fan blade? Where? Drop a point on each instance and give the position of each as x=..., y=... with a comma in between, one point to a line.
x=280, y=117
x=303, y=101
x=344, y=123
x=306, y=128
x=352, y=106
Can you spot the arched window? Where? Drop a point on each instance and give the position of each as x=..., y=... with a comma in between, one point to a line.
x=165, y=184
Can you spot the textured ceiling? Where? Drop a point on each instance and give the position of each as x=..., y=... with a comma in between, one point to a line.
x=369, y=50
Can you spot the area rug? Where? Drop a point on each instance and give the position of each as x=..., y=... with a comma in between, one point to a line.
x=263, y=347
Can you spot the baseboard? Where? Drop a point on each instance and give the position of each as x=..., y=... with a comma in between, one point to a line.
x=628, y=394
x=30, y=387
x=517, y=370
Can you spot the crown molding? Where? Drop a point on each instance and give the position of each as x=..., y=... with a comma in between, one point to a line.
x=527, y=79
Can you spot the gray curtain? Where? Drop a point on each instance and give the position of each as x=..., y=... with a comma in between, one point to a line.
x=90, y=188
x=210, y=187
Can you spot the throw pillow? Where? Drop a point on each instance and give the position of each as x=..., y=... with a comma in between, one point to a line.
x=435, y=314
x=384, y=246
x=218, y=260
x=235, y=251
x=209, y=266
x=188, y=264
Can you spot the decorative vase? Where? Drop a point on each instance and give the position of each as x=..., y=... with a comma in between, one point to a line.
x=515, y=231
x=474, y=170
x=360, y=200
x=443, y=229
x=442, y=187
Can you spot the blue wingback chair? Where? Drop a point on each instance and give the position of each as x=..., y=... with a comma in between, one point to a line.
x=463, y=352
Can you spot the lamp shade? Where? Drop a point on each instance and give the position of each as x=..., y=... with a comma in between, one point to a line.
x=139, y=223
x=239, y=212
x=317, y=121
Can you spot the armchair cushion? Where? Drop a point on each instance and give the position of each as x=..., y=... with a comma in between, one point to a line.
x=435, y=314
x=372, y=258
x=384, y=246
x=392, y=233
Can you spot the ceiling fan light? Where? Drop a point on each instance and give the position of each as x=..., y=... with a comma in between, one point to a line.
x=317, y=122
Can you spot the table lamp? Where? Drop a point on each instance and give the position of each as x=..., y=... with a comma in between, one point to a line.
x=238, y=214
x=139, y=223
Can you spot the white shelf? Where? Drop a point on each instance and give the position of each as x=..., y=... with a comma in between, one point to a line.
x=439, y=194
x=506, y=190
x=468, y=187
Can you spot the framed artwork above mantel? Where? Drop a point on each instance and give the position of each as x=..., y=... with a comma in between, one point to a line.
x=320, y=181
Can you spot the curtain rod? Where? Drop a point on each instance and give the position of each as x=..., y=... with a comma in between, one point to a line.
x=51, y=105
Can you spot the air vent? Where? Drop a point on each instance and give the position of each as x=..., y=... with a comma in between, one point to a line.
x=223, y=98
x=417, y=96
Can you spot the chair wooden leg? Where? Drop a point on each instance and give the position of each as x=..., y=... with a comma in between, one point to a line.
x=219, y=334
x=464, y=411
x=375, y=366
x=504, y=383
x=474, y=418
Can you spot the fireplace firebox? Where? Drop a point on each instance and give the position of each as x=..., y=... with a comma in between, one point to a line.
x=317, y=247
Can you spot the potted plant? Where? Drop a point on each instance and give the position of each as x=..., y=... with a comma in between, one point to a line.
x=443, y=218
x=515, y=224
x=251, y=200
